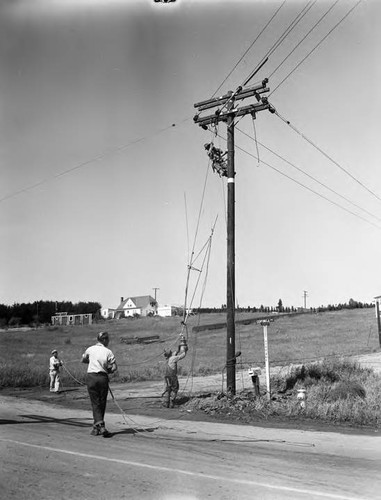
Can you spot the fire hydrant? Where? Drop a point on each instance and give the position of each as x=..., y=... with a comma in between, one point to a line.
x=302, y=397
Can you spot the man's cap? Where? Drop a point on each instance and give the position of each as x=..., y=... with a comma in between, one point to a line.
x=54, y=350
x=102, y=336
x=167, y=353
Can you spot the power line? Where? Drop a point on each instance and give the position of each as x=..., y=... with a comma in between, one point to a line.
x=250, y=47
x=326, y=155
x=281, y=39
x=310, y=189
x=316, y=46
x=101, y=156
x=302, y=40
x=308, y=175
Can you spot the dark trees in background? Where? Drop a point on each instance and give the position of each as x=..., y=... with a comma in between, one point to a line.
x=41, y=311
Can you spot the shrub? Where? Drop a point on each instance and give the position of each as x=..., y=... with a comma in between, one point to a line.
x=346, y=389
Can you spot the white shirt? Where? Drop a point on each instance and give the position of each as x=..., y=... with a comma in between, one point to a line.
x=54, y=363
x=100, y=358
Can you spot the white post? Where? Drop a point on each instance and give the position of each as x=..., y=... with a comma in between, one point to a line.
x=267, y=363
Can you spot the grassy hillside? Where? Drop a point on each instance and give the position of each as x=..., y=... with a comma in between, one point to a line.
x=24, y=356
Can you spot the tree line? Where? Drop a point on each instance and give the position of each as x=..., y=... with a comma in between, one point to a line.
x=280, y=308
x=41, y=312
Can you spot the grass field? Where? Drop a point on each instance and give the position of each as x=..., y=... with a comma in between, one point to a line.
x=24, y=356
x=339, y=391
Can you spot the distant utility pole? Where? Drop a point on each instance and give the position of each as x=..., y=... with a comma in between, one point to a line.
x=305, y=298
x=155, y=289
x=227, y=113
x=377, y=307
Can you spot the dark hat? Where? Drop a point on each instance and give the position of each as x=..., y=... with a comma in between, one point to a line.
x=167, y=353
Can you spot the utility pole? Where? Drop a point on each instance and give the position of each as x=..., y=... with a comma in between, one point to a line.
x=227, y=113
x=155, y=289
x=305, y=298
x=377, y=307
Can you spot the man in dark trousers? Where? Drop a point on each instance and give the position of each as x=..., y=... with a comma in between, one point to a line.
x=101, y=362
x=170, y=378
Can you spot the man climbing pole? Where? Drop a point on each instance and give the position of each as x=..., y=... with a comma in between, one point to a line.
x=218, y=159
x=170, y=378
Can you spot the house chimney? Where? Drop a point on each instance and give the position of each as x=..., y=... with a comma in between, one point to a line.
x=121, y=299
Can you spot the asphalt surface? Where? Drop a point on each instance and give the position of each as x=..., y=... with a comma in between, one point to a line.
x=47, y=453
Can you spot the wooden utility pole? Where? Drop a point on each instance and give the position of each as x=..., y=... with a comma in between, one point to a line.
x=230, y=283
x=227, y=113
x=377, y=307
x=305, y=298
x=155, y=289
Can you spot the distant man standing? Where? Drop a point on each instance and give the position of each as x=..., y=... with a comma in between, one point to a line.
x=101, y=362
x=54, y=372
x=170, y=378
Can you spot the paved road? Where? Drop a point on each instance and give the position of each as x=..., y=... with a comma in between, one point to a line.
x=47, y=453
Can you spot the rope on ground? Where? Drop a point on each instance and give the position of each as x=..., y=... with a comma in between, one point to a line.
x=70, y=374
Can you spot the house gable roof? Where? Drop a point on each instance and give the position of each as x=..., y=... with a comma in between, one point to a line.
x=140, y=301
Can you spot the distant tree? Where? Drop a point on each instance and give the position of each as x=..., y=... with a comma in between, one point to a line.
x=14, y=321
x=280, y=305
x=353, y=304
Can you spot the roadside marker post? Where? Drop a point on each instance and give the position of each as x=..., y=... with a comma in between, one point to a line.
x=265, y=323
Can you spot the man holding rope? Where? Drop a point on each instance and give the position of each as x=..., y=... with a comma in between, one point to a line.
x=54, y=372
x=170, y=378
x=101, y=362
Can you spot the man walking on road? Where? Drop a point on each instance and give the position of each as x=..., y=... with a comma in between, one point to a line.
x=101, y=362
x=54, y=371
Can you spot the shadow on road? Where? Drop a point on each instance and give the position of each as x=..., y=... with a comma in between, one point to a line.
x=36, y=419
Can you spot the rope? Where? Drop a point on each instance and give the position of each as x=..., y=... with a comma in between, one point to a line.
x=70, y=374
x=194, y=241
x=255, y=138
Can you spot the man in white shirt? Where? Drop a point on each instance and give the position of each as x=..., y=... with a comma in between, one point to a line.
x=101, y=362
x=54, y=372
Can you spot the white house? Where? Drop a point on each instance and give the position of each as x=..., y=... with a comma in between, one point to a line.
x=165, y=311
x=107, y=313
x=144, y=305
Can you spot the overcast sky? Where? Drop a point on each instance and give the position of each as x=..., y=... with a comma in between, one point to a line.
x=104, y=173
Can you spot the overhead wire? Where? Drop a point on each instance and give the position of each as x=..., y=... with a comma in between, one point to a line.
x=311, y=176
x=274, y=47
x=250, y=46
x=287, y=122
x=309, y=189
x=315, y=47
x=78, y=166
x=305, y=36
x=281, y=39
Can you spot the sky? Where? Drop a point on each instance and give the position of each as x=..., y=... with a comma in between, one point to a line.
x=106, y=190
